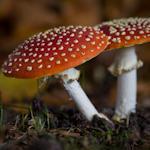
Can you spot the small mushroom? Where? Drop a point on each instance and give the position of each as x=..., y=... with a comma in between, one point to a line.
x=124, y=34
x=56, y=52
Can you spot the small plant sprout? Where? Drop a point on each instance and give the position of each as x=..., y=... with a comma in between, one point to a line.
x=35, y=125
x=55, y=52
x=123, y=34
x=1, y=106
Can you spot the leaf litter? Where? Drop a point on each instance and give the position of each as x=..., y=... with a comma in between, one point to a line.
x=65, y=128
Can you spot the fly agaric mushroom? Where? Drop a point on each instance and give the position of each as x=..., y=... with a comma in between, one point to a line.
x=56, y=52
x=124, y=34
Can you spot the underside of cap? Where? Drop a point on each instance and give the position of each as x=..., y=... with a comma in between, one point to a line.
x=125, y=60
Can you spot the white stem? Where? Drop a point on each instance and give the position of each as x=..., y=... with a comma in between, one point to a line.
x=124, y=66
x=126, y=94
x=80, y=99
x=76, y=93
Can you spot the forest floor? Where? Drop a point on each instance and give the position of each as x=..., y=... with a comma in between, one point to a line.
x=64, y=128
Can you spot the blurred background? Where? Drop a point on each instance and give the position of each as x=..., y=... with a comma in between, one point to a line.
x=20, y=19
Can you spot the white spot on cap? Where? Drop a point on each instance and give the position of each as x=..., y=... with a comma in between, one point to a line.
x=17, y=69
x=97, y=37
x=73, y=55
x=33, y=60
x=87, y=39
x=55, y=53
x=141, y=32
x=81, y=32
x=5, y=71
x=117, y=33
x=15, y=59
x=66, y=43
x=75, y=41
x=31, y=45
x=90, y=36
x=123, y=33
x=26, y=60
x=82, y=53
x=83, y=46
x=58, y=62
x=51, y=58
x=132, y=32
x=63, y=54
x=77, y=49
x=72, y=35
x=40, y=66
x=46, y=54
x=114, y=40
x=36, y=49
x=39, y=61
x=42, y=44
x=50, y=43
x=65, y=59
x=40, y=56
x=29, y=68
x=30, y=49
x=35, y=54
x=10, y=64
x=48, y=66
x=91, y=50
x=70, y=49
x=30, y=54
x=61, y=48
x=20, y=59
x=127, y=37
x=42, y=49
x=93, y=43
x=73, y=30
x=5, y=63
x=58, y=43
x=54, y=48
x=10, y=72
x=26, y=47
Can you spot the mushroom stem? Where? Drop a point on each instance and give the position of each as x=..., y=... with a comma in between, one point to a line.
x=77, y=94
x=125, y=65
x=126, y=94
x=80, y=99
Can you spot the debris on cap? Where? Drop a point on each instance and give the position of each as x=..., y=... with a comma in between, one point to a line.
x=54, y=51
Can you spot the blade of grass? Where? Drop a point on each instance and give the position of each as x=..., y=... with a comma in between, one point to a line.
x=83, y=77
x=38, y=88
x=23, y=118
x=33, y=118
x=48, y=123
x=1, y=105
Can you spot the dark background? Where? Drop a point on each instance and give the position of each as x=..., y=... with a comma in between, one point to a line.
x=20, y=19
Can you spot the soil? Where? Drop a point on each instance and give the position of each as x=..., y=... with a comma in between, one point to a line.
x=64, y=128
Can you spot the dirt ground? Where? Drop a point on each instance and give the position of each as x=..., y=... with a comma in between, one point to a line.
x=64, y=128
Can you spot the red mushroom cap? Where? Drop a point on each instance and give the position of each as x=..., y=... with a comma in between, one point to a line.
x=54, y=51
x=126, y=32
